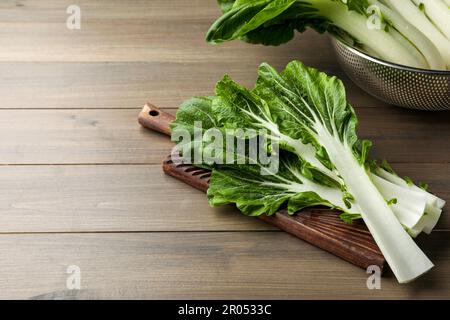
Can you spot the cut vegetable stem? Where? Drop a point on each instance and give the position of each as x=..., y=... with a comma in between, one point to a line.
x=405, y=258
x=378, y=40
x=417, y=18
x=417, y=38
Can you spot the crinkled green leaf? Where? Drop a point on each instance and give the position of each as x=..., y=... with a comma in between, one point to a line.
x=301, y=98
x=256, y=194
x=226, y=5
x=197, y=109
x=268, y=22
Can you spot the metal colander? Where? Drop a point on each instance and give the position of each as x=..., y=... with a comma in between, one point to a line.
x=395, y=84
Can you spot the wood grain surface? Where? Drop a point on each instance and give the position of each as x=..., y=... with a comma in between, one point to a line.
x=114, y=137
x=208, y=265
x=125, y=85
x=76, y=198
x=80, y=181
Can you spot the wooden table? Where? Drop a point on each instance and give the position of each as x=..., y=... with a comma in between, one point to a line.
x=81, y=183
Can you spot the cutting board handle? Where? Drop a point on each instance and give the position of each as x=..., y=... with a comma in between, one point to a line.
x=155, y=119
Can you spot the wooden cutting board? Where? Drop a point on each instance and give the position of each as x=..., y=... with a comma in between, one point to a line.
x=320, y=227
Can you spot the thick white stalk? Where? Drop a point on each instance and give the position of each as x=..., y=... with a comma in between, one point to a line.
x=410, y=206
x=404, y=257
x=412, y=202
x=404, y=208
x=427, y=223
x=438, y=13
x=431, y=219
x=433, y=208
x=425, y=46
x=332, y=195
x=305, y=151
x=371, y=52
x=308, y=153
x=413, y=232
x=411, y=49
x=412, y=14
x=378, y=40
x=432, y=199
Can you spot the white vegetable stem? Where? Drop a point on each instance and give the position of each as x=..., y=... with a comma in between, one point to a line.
x=433, y=207
x=438, y=13
x=411, y=203
x=332, y=195
x=415, y=209
x=405, y=258
x=432, y=199
x=410, y=47
x=410, y=206
x=412, y=14
x=428, y=221
x=379, y=41
x=425, y=46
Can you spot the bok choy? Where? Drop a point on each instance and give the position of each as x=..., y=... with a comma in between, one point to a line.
x=305, y=120
x=408, y=32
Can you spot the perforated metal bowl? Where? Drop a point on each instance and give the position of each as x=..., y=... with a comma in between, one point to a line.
x=395, y=84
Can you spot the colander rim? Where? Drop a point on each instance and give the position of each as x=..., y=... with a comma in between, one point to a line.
x=390, y=64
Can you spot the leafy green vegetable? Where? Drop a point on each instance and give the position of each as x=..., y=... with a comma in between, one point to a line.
x=325, y=117
x=256, y=194
x=398, y=31
x=321, y=162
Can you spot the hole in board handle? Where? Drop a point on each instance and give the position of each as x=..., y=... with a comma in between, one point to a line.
x=153, y=113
